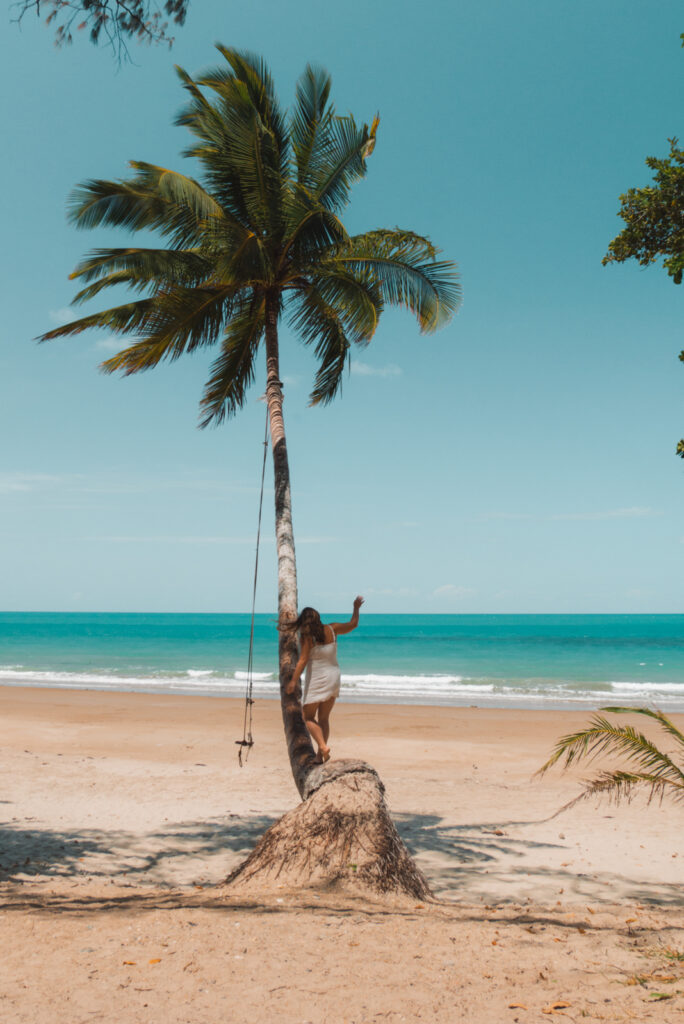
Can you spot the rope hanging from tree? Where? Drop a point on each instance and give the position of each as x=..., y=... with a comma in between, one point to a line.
x=247, y=740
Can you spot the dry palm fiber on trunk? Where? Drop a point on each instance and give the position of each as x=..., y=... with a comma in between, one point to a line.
x=340, y=837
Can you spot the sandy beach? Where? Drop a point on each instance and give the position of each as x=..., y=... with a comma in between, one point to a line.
x=123, y=814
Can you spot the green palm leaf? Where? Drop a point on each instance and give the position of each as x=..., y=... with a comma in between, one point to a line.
x=140, y=268
x=310, y=125
x=405, y=267
x=621, y=785
x=155, y=199
x=177, y=321
x=659, y=717
x=357, y=302
x=233, y=372
x=310, y=231
x=657, y=769
x=251, y=71
x=320, y=325
x=260, y=224
x=345, y=162
x=128, y=318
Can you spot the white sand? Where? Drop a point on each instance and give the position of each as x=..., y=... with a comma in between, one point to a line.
x=122, y=814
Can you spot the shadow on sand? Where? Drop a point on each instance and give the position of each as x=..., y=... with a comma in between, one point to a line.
x=465, y=864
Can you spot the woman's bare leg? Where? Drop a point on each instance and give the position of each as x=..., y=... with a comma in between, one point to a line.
x=324, y=709
x=315, y=730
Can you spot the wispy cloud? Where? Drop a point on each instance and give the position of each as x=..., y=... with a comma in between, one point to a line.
x=366, y=370
x=76, y=485
x=162, y=539
x=62, y=316
x=507, y=515
x=110, y=344
x=451, y=590
x=635, y=512
x=209, y=488
x=190, y=539
x=390, y=591
x=13, y=483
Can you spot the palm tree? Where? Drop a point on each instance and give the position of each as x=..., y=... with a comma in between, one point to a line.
x=647, y=766
x=257, y=238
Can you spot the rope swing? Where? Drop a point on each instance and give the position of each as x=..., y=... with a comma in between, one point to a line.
x=247, y=740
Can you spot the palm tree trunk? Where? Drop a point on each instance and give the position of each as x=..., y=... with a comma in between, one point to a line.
x=299, y=746
x=342, y=833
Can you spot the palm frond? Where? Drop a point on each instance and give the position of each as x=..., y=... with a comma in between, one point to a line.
x=155, y=198
x=621, y=785
x=129, y=317
x=243, y=137
x=309, y=230
x=666, y=723
x=178, y=321
x=233, y=372
x=310, y=125
x=207, y=123
x=135, y=282
x=357, y=302
x=344, y=163
x=252, y=71
x=262, y=219
x=603, y=736
x=318, y=324
x=140, y=268
x=242, y=161
x=406, y=269
x=656, y=769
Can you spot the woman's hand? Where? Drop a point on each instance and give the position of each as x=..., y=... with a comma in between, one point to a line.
x=358, y=601
x=290, y=688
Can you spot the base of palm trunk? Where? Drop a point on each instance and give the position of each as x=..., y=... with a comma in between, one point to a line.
x=340, y=837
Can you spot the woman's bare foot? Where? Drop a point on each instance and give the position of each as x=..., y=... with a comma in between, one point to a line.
x=322, y=755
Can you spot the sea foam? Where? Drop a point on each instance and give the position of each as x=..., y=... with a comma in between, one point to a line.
x=436, y=688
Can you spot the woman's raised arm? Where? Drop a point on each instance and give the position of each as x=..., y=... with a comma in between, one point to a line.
x=346, y=627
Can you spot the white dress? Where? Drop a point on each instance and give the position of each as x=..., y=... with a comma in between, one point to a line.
x=322, y=678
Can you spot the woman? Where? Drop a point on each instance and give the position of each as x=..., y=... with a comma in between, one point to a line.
x=318, y=654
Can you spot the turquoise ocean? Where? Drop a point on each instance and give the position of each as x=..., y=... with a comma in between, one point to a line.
x=533, y=661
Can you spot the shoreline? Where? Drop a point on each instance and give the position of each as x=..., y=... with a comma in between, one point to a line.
x=579, y=705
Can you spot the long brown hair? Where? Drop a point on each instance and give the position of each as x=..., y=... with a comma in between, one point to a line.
x=308, y=625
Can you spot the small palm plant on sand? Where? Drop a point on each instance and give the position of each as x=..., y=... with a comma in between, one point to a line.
x=646, y=766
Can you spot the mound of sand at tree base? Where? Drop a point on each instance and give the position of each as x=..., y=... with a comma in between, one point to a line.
x=341, y=836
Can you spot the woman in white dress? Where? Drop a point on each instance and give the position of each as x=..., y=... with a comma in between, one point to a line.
x=318, y=655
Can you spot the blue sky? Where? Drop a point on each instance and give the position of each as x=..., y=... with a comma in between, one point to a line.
x=522, y=460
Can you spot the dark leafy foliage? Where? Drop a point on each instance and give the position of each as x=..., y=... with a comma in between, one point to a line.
x=262, y=225
x=114, y=21
x=654, y=218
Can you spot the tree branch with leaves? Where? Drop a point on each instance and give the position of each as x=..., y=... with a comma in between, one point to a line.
x=654, y=221
x=115, y=22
